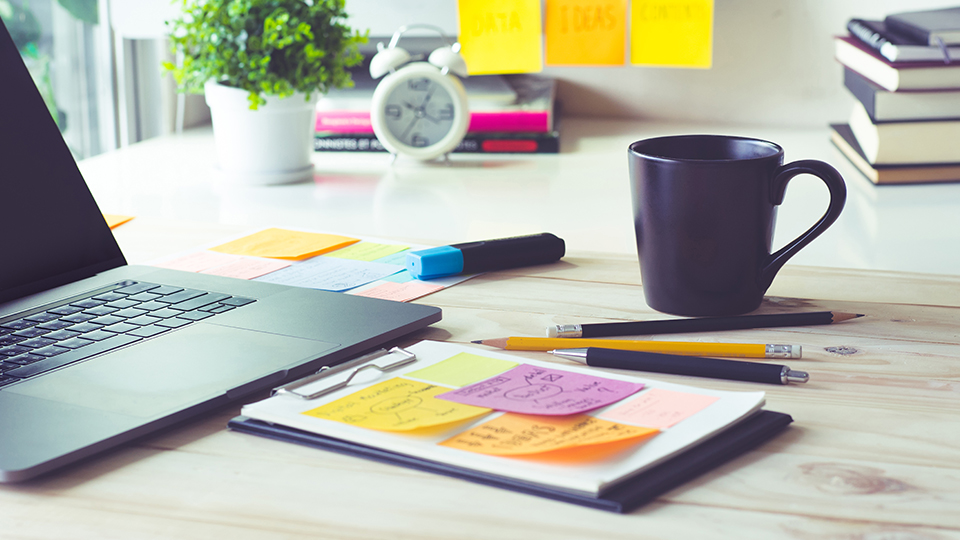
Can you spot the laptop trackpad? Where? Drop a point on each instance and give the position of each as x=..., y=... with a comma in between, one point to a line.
x=177, y=370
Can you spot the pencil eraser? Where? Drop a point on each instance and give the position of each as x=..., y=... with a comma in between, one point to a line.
x=435, y=262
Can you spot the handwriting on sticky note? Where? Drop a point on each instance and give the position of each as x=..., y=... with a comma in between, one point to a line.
x=198, y=262
x=367, y=251
x=501, y=36
x=586, y=32
x=116, y=220
x=517, y=434
x=463, y=369
x=530, y=389
x=396, y=405
x=330, y=274
x=400, y=292
x=659, y=408
x=247, y=268
x=675, y=33
x=285, y=244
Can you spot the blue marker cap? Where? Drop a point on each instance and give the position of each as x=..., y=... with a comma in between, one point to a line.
x=435, y=262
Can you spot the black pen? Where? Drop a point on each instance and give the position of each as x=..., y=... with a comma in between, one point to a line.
x=684, y=365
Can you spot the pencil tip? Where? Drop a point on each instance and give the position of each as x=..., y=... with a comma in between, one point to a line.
x=477, y=341
x=858, y=315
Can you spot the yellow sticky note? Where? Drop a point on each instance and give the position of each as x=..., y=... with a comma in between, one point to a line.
x=501, y=36
x=519, y=434
x=115, y=220
x=396, y=405
x=676, y=33
x=285, y=244
x=366, y=251
x=463, y=369
x=586, y=32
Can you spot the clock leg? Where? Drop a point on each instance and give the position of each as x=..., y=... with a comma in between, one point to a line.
x=394, y=158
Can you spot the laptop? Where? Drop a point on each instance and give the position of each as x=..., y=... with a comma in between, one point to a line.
x=95, y=352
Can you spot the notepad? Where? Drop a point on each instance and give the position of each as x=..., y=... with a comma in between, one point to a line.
x=609, y=451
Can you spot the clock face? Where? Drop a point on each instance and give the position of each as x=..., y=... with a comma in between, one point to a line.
x=419, y=112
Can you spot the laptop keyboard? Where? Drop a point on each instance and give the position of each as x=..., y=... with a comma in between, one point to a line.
x=78, y=328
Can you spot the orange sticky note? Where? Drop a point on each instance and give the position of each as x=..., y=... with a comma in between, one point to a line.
x=660, y=408
x=401, y=292
x=519, y=434
x=501, y=36
x=285, y=244
x=247, y=268
x=676, y=33
x=586, y=32
x=115, y=220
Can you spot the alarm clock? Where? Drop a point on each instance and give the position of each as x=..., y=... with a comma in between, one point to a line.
x=419, y=109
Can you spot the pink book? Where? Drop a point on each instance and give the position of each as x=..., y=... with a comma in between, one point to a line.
x=480, y=121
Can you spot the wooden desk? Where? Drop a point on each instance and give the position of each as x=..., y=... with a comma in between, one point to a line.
x=872, y=452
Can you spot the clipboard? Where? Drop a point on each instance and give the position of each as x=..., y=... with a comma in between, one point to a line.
x=622, y=498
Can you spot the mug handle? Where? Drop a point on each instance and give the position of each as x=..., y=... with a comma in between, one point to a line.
x=778, y=187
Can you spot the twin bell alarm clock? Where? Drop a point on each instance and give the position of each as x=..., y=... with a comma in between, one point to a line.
x=419, y=108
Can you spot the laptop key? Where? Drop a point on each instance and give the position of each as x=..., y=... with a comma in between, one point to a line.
x=120, y=328
x=52, y=350
x=10, y=340
x=42, y=317
x=31, y=332
x=37, y=342
x=24, y=359
x=164, y=290
x=200, y=301
x=129, y=313
x=121, y=304
x=195, y=315
x=109, y=297
x=78, y=317
x=100, y=310
x=165, y=313
x=107, y=320
x=60, y=335
x=144, y=297
x=136, y=288
x=75, y=343
x=18, y=324
x=65, y=310
x=181, y=296
x=98, y=335
x=73, y=356
x=151, y=306
x=174, y=322
x=147, y=331
x=85, y=327
x=14, y=350
x=222, y=309
x=87, y=303
x=55, y=325
x=237, y=301
x=144, y=320
x=5, y=380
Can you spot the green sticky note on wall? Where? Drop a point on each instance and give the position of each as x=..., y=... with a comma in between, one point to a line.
x=463, y=369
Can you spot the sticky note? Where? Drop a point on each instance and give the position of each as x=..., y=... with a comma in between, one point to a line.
x=677, y=33
x=501, y=36
x=116, y=220
x=463, y=369
x=586, y=32
x=198, y=262
x=530, y=389
x=246, y=268
x=330, y=274
x=396, y=405
x=659, y=408
x=517, y=434
x=400, y=292
x=285, y=244
x=367, y=251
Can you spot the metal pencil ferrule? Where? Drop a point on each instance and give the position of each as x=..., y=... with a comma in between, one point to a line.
x=783, y=351
x=565, y=331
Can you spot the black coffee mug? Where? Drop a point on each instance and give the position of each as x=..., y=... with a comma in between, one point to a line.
x=704, y=208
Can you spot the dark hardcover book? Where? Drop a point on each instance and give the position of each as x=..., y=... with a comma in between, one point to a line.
x=842, y=137
x=473, y=143
x=896, y=47
x=885, y=106
x=894, y=76
x=928, y=26
x=624, y=497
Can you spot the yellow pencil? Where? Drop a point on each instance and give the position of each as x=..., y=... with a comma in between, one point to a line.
x=730, y=350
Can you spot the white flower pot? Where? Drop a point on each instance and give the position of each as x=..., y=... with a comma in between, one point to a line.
x=270, y=145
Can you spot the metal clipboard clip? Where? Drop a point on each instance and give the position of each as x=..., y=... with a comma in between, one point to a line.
x=326, y=371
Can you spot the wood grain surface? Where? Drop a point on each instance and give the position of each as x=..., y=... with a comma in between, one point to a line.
x=872, y=454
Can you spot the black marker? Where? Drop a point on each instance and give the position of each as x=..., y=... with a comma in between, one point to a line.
x=684, y=365
x=485, y=256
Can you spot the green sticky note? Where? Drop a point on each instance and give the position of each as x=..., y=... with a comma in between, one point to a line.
x=367, y=251
x=463, y=369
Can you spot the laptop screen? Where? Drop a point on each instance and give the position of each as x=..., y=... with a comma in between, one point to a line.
x=51, y=230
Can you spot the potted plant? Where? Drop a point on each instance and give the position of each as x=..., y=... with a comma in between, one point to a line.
x=262, y=65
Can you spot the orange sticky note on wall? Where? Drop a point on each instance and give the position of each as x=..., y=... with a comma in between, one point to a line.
x=676, y=33
x=501, y=36
x=586, y=32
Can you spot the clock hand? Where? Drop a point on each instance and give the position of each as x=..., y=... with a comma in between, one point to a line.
x=409, y=127
x=409, y=106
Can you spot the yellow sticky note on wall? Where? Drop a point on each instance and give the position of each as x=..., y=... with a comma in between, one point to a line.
x=677, y=33
x=586, y=32
x=501, y=36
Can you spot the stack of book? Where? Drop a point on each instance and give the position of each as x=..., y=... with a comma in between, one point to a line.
x=905, y=74
x=508, y=113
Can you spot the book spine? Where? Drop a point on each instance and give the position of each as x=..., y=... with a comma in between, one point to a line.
x=547, y=143
x=862, y=90
x=480, y=122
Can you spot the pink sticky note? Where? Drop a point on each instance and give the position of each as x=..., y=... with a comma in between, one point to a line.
x=530, y=389
x=401, y=292
x=247, y=268
x=198, y=262
x=659, y=408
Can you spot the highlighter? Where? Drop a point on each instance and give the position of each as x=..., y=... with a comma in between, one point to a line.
x=485, y=256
